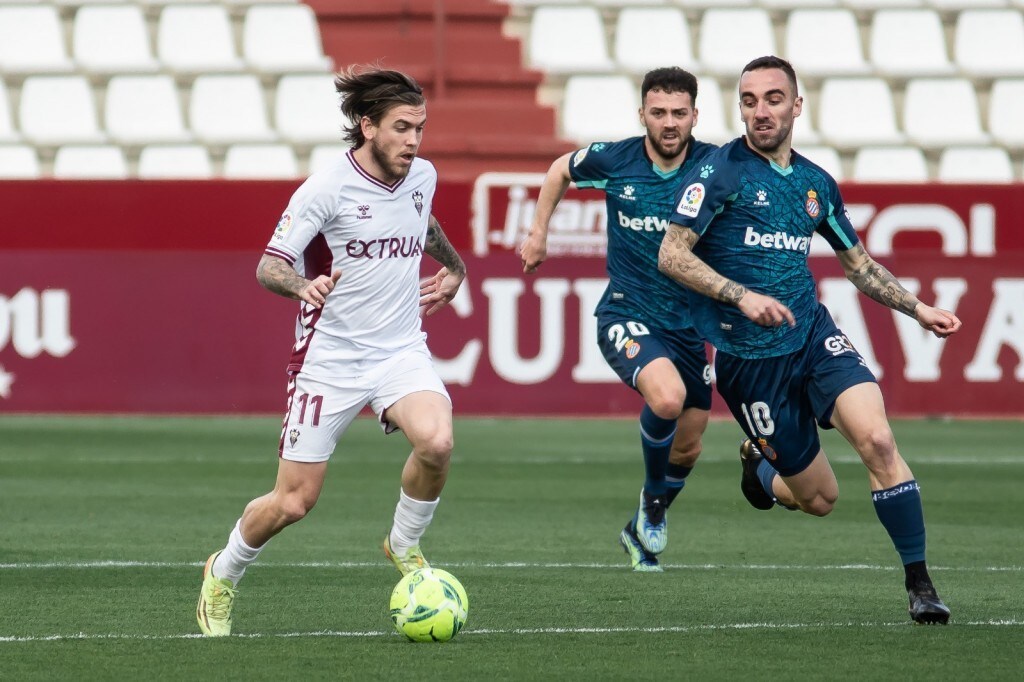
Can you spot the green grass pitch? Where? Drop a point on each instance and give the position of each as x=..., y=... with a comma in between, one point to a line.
x=105, y=523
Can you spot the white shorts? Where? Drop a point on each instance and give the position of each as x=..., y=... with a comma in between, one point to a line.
x=319, y=410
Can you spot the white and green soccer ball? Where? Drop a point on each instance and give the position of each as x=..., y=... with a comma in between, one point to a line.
x=429, y=605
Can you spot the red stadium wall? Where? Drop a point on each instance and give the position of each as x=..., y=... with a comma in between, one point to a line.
x=141, y=297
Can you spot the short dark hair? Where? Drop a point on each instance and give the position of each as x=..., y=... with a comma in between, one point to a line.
x=372, y=91
x=670, y=79
x=773, y=62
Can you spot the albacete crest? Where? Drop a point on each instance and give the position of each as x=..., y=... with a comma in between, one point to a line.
x=812, y=206
x=417, y=198
x=293, y=436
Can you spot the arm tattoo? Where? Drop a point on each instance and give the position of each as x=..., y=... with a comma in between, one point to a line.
x=676, y=260
x=277, y=276
x=440, y=249
x=880, y=284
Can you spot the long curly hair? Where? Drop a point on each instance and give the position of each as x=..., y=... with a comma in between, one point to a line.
x=372, y=91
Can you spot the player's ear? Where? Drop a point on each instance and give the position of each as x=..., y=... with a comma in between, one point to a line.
x=368, y=128
x=798, y=106
x=695, y=112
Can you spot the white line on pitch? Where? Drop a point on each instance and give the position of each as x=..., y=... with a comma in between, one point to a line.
x=501, y=631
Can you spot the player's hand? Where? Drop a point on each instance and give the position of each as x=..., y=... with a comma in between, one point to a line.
x=533, y=251
x=437, y=291
x=765, y=310
x=940, y=322
x=315, y=293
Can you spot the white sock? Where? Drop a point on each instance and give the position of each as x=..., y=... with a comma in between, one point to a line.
x=411, y=518
x=235, y=557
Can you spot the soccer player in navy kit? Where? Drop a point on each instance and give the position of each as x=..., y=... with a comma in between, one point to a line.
x=740, y=236
x=643, y=323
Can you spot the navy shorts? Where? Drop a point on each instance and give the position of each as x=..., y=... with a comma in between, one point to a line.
x=629, y=345
x=779, y=402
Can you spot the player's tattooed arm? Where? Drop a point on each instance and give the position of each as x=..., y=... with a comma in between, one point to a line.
x=440, y=249
x=876, y=282
x=275, y=275
x=677, y=260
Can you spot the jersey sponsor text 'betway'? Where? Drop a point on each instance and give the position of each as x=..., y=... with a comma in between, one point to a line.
x=777, y=240
x=648, y=223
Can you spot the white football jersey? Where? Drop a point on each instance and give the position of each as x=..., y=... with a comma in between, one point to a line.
x=344, y=218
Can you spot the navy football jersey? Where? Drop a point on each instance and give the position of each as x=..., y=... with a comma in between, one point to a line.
x=755, y=221
x=639, y=197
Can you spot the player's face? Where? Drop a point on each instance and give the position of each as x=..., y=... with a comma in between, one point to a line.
x=395, y=141
x=668, y=118
x=768, y=105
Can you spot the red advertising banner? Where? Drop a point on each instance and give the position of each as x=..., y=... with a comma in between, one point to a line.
x=141, y=297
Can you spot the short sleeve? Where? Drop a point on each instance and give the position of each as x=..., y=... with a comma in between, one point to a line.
x=836, y=227
x=706, y=189
x=591, y=166
x=308, y=211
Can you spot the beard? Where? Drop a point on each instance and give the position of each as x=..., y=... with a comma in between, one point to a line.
x=664, y=151
x=392, y=169
x=769, y=144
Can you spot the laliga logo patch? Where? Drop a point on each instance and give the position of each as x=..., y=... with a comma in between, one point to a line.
x=693, y=197
x=812, y=206
x=632, y=349
x=417, y=198
x=293, y=436
x=283, y=226
x=577, y=158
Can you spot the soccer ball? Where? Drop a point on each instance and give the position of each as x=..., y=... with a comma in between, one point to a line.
x=429, y=605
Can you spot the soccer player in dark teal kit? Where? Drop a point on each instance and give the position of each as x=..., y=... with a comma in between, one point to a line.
x=643, y=322
x=740, y=237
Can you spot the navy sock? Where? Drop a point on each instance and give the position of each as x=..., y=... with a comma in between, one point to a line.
x=900, y=511
x=675, y=480
x=656, y=436
x=767, y=473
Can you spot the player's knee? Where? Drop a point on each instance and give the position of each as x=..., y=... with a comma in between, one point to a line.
x=294, y=507
x=819, y=506
x=436, y=450
x=667, y=405
x=878, y=445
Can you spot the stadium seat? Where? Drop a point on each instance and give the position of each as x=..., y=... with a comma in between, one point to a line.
x=306, y=109
x=797, y=4
x=975, y=165
x=32, y=40
x=225, y=109
x=942, y=111
x=7, y=131
x=826, y=157
x=825, y=42
x=568, y=40
x=804, y=129
x=600, y=108
x=990, y=43
x=650, y=37
x=957, y=5
x=730, y=38
x=909, y=43
x=18, y=162
x=857, y=111
x=325, y=155
x=1005, y=104
x=282, y=38
x=174, y=162
x=245, y=161
x=713, y=116
x=196, y=39
x=882, y=4
x=709, y=4
x=90, y=162
x=890, y=164
x=144, y=109
x=112, y=39
x=58, y=110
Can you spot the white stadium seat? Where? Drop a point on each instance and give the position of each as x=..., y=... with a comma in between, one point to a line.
x=90, y=162
x=826, y=157
x=197, y=38
x=797, y=4
x=326, y=155
x=307, y=110
x=709, y=4
x=651, y=37
x=713, y=115
x=804, y=129
x=598, y=108
x=18, y=162
x=112, y=39
x=882, y=4
x=857, y=111
x=942, y=111
x=175, y=162
x=260, y=161
x=32, y=40
x=890, y=164
x=58, y=110
x=225, y=109
x=730, y=38
x=568, y=40
x=956, y=5
x=825, y=43
x=909, y=43
x=281, y=38
x=990, y=43
x=1005, y=104
x=975, y=164
x=144, y=109
x=7, y=131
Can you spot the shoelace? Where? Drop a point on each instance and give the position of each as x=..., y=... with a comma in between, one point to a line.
x=220, y=601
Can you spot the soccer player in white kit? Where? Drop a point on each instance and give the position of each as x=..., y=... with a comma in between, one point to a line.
x=349, y=247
